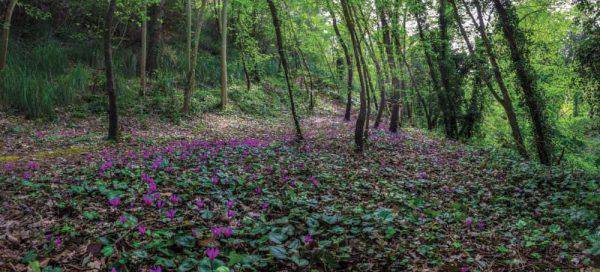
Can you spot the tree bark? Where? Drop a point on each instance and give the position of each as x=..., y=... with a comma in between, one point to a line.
x=155, y=26
x=224, y=98
x=191, y=75
x=504, y=100
x=431, y=68
x=393, y=70
x=533, y=99
x=349, y=66
x=450, y=92
x=144, y=53
x=113, y=127
x=6, y=32
x=284, y=63
x=359, y=132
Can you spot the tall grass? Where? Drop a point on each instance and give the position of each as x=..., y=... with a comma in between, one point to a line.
x=39, y=79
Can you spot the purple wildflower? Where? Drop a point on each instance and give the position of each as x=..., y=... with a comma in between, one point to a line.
x=174, y=198
x=468, y=222
x=58, y=241
x=230, y=213
x=123, y=219
x=227, y=231
x=147, y=200
x=114, y=202
x=230, y=203
x=200, y=203
x=212, y=253
x=155, y=269
x=171, y=213
x=314, y=181
x=307, y=239
x=142, y=229
x=33, y=165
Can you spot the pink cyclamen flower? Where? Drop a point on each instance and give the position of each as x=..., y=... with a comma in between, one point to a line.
x=174, y=198
x=147, y=200
x=200, y=203
x=468, y=222
x=142, y=229
x=230, y=213
x=230, y=204
x=160, y=204
x=314, y=181
x=212, y=253
x=308, y=238
x=33, y=165
x=152, y=187
x=227, y=232
x=58, y=241
x=216, y=232
x=171, y=213
x=114, y=202
x=481, y=225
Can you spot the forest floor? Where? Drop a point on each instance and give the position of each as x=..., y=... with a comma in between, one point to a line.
x=169, y=195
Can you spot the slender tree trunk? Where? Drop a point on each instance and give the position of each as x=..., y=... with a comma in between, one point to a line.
x=191, y=75
x=246, y=73
x=504, y=98
x=349, y=66
x=533, y=99
x=6, y=32
x=189, y=33
x=144, y=53
x=450, y=92
x=113, y=122
x=284, y=63
x=155, y=26
x=395, y=103
x=359, y=132
x=224, y=98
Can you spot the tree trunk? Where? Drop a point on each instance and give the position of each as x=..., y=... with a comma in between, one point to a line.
x=284, y=63
x=359, y=132
x=6, y=32
x=155, y=26
x=349, y=66
x=191, y=75
x=533, y=99
x=432, y=70
x=113, y=127
x=224, y=98
x=144, y=53
x=246, y=73
x=393, y=70
x=450, y=92
x=504, y=100
x=189, y=33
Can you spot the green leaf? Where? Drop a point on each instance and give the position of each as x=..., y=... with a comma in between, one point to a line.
x=278, y=252
x=35, y=266
x=187, y=265
x=107, y=251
